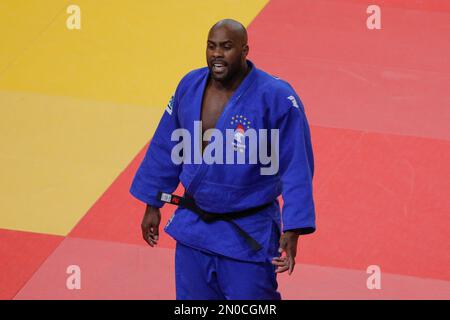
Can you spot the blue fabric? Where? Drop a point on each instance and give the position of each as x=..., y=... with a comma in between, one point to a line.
x=267, y=103
x=203, y=276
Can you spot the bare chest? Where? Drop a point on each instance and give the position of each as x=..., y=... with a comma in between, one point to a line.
x=213, y=104
x=212, y=107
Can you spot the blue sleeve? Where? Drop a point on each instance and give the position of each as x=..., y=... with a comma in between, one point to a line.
x=157, y=172
x=296, y=167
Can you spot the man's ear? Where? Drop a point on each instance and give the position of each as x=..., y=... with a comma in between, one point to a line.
x=245, y=50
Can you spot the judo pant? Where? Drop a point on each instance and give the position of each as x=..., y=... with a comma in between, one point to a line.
x=204, y=276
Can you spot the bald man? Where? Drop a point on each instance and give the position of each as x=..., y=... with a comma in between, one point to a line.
x=232, y=239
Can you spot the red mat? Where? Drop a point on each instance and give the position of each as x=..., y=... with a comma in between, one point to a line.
x=21, y=254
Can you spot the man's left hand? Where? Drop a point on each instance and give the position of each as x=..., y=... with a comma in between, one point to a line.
x=288, y=244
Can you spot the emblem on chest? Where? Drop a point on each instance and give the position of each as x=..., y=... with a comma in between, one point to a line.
x=240, y=124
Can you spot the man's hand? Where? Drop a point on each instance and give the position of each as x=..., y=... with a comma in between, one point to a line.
x=288, y=244
x=150, y=225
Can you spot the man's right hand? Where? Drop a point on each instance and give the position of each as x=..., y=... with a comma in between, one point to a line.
x=150, y=225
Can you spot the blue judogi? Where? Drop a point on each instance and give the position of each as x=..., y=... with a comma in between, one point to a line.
x=200, y=275
x=260, y=102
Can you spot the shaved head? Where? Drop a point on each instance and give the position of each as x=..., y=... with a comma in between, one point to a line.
x=234, y=27
x=226, y=51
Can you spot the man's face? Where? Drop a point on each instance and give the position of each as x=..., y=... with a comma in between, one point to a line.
x=225, y=53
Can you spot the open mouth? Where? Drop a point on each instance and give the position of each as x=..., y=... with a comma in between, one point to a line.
x=218, y=67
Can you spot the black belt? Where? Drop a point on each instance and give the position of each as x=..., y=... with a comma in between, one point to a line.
x=188, y=202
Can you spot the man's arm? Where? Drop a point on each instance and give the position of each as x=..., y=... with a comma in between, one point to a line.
x=157, y=172
x=296, y=172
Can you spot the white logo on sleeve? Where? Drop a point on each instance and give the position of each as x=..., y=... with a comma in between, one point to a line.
x=170, y=106
x=294, y=102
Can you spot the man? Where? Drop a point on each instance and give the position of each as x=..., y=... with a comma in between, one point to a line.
x=228, y=224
